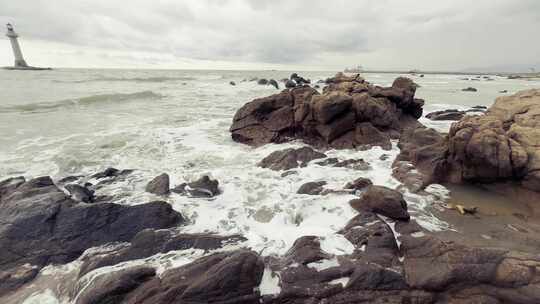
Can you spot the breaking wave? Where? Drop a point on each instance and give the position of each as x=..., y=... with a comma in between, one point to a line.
x=83, y=101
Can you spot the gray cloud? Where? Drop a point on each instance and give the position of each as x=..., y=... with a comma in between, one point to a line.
x=384, y=33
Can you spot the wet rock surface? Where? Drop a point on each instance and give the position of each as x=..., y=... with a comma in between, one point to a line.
x=312, y=188
x=41, y=225
x=360, y=183
x=226, y=277
x=383, y=201
x=499, y=146
x=350, y=113
x=159, y=185
x=290, y=158
x=203, y=187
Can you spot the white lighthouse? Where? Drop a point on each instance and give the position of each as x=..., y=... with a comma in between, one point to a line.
x=19, y=60
x=20, y=63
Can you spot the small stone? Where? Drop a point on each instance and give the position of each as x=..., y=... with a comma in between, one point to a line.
x=159, y=185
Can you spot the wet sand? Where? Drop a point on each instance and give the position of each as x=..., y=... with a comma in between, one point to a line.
x=507, y=217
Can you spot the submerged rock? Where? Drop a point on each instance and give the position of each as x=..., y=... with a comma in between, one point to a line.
x=290, y=158
x=80, y=193
x=203, y=187
x=312, y=188
x=384, y=201
x=273, y=83
x=159, y=185
x=360, y=183
x=232, y=83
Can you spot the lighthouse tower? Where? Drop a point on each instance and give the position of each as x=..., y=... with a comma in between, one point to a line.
x=19, y=60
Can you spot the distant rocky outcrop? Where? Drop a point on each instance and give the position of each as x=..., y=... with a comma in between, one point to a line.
x=350, y=113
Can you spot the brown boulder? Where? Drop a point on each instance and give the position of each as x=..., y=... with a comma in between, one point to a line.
x=384, y=201
x=350, y=113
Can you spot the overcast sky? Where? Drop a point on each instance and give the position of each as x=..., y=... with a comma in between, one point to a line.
x=275, y=34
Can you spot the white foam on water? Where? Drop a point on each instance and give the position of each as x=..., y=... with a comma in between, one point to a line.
x=45, y=297
x=336, y=244
x=324, y=264
x=269, y=283
x=343, y=281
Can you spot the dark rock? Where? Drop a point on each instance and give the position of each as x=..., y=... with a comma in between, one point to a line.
x=150, y=242
x=41, y=225
x=331, y=161
x=80, y=193
x=359, y=184
x=13, y=278
x=109, y=172
x=311, y=188
x=305, y=250
x=9, y=185
x=273, y=83
x=70, y=179
x=287, y=173
x=203, y=187
x=262, y=81
x=290, y=158
x=299, y=80
x=290, y=84
x=112, y=287
x=503, y=91
x=451, y=114
x=227, y=277
x=159, y=185
x=355, y=164
x=384, y=201
x=470, y=89
x=232, y=83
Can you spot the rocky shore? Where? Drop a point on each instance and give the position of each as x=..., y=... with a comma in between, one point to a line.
x=392, y=259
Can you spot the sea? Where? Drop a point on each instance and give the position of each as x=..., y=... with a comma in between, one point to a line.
x=80, y=121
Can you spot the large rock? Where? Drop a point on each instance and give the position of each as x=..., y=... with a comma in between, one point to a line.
x=149, y=242
x=113, y=287
x=226, y=277
x=502, y=145
x=384, y=201
x=41, y=225
x=350, y=113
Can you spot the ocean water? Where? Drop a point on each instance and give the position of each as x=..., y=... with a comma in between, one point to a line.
x=77, y=122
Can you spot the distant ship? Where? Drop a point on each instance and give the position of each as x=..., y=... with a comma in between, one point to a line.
x=357, y=69
x=20, y=63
